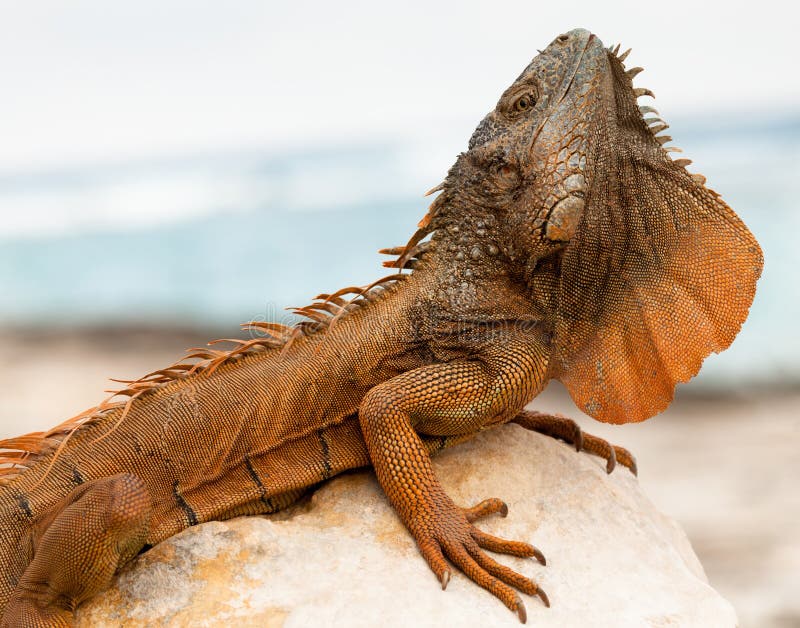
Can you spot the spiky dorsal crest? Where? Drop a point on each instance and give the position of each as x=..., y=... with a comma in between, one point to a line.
x=20, y=453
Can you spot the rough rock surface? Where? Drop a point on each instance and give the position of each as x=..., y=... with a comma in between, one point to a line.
x=343, y=559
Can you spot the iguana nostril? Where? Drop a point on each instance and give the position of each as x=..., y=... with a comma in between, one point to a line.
x=563, y=38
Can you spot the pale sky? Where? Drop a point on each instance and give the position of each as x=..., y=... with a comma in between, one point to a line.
x=92, y=81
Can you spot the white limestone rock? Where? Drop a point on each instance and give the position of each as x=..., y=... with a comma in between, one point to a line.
x=344, y=559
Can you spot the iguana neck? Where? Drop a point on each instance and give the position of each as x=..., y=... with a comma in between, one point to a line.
x=468, y=244
x=472, y=246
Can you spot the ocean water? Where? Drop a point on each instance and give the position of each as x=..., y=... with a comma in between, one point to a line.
x=218, y=239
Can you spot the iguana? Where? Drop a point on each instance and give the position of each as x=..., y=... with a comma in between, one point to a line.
x=565, y=244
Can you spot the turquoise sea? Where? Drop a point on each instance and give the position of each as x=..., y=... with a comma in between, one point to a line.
x=220, y=238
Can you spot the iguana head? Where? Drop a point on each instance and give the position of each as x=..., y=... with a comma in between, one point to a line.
x=653, y=270
x=537, y=136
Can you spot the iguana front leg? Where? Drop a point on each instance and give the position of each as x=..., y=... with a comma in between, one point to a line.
x=449, y=399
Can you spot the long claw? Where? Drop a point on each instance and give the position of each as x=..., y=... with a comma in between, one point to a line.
x=522, y=612
x=445, y=579
x=537, y=554
x=544, y=598
x=578, y=438
x=611, y=461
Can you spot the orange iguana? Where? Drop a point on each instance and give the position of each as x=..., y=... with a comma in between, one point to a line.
x=565, y=244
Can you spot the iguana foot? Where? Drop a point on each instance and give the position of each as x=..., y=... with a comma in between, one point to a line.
x=446, y=531
x=568, y=430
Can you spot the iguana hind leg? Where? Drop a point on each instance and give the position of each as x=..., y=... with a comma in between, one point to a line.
x=78, y=547
x=566, y=429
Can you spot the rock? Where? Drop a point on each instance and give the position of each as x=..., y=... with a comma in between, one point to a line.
x=343, y=558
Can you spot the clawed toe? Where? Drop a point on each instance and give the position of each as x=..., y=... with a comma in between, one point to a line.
x=503, y=546
x=485, y=508
x=566, y=429
x=626, y=459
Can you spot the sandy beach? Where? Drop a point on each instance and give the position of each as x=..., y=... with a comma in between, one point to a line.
x=725, y=466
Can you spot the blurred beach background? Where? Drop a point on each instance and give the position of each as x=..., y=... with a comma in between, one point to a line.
x=171, y=169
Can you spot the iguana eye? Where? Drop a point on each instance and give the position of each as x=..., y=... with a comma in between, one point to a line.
x=524, y=103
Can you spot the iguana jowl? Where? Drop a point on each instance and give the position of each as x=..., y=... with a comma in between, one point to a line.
x=565, y=243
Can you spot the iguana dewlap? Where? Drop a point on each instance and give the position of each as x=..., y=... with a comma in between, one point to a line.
x=565, y=244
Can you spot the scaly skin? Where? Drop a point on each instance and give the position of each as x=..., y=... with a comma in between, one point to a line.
x=565, y=244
